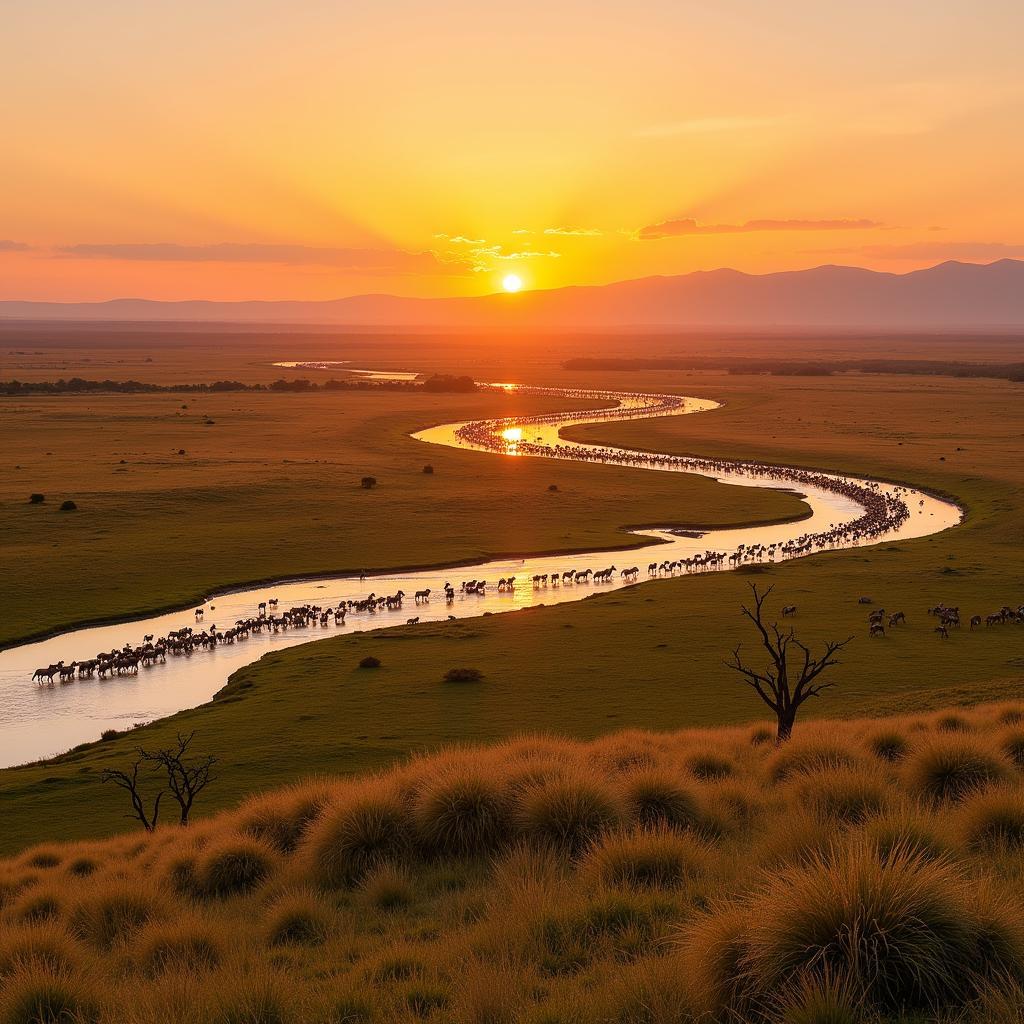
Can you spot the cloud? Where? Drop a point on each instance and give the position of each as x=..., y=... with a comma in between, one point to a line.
x=689, y=226
x=6, y=245
x=460, y=239
x=483, y=257
x=397, y=261
x=575, y=232
x=522, y=231
x=935, y=251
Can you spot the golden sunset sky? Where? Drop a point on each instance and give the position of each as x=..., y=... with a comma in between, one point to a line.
x=244, y=149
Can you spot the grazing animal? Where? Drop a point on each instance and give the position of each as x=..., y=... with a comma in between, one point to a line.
x=422, y=596
x=199, y=614
x=877, y=629
x=864, y=600
x=790, y=609
x=942, y=631
x=975, y=621
x=412, y=621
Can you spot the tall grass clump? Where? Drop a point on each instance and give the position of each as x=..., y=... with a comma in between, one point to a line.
x=646, y=859
x=369, y=828
x=569, y=813
x=37, y=996
x=656, y=798
x=948, y=768
x=187, y=944
x=888, y=745
x=993, y=821
x=297, y=918
x=463, y=812
x=810, y=757
x=113, y=912
x=47, y=947
x=896, y=926
x=844, y=796
x=282, y=818
x=232, y=866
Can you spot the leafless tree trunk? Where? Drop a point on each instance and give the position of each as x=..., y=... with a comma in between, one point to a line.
x=129, y=781
x=789, y=675
x=185, y=779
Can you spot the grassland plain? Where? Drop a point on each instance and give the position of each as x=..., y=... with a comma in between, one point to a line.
x=651, y=656
x=866, y=873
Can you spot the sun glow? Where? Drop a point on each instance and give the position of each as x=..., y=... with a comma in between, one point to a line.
x=512, y=434
x=512, y=282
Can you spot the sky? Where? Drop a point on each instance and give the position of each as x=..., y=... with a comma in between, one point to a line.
x=261, y=149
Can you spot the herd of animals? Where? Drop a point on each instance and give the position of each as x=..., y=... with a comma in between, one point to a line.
x=883, y=512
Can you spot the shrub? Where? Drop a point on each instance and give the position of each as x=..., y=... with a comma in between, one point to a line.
x=993, y=821
x=951, y=767
x=68, y=506
x=114, y=912
x=463, y=812
x=36, y=499
x=187, y=944
x=888, y=745
x=370, y=662
x=37, y=996
x=368, y=482
x=463, y=675
x=235, y=865
x=297, y=919
x=388, y=888
x=648, y=859
x=810, y=757
x=552, y=488
x=893, y=925
x=845, y=795
x=656, y=798
x=568, y=813
x=109, y=734
x=428, y=469
x=367, y=829
x=709, y=764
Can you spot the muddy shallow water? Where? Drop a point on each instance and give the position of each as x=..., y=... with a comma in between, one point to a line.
x=39, y=721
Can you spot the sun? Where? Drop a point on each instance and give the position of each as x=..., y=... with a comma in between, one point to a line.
x=512, y=434
x=512, y=282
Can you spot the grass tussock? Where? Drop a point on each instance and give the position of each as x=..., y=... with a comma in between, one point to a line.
x=862, y=873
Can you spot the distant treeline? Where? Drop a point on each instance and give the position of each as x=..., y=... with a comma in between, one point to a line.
x=80, y=386
x=806, y=368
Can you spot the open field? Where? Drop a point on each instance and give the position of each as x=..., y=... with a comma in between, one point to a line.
x=866, y=872
x=649, y=657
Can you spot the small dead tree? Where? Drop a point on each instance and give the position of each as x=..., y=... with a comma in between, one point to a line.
x=129, y=782
x=790, y=673
x=186, y=778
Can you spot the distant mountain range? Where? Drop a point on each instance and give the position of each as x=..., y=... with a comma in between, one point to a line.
x=950, y=295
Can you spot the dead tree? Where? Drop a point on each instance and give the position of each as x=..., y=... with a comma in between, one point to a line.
x=790, y=673
x=186, y=779
x=129, y=781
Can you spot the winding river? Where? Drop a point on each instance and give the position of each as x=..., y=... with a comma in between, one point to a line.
x=39, y=721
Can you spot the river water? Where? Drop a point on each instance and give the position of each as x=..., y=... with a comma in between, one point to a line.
x=39, y=721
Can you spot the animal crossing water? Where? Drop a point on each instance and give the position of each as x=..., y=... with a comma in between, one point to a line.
x=192, y=652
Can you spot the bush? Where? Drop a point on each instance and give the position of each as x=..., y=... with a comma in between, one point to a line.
x=109, y=734
x=552, y=488
x=36, y=499
x=428, y=469
x=951, y=767
x=463, y=675
x=368, y=482
x=993, y=822
x=370, y=662
x=187, y=945
x=368, y=829
x=648, y=859
x=568, y=813
x=655, y=798
x=68, y=506
x=298, y=919
x=236, y=865
x=463, y=812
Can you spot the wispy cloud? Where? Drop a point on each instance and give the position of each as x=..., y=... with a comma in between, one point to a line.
x=934, y=251
x=398, y=261
x=6, y=245
x=689, y=226
x=460, y=239
x=575, y=232
x=485, y=256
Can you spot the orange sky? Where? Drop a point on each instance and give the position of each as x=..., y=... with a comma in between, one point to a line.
x=238, y=149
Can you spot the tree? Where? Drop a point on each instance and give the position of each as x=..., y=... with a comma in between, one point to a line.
x=185, y=779
x=785, y=682
x=129, y=781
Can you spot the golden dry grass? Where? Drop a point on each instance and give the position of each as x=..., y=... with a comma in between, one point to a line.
x=553, y=882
